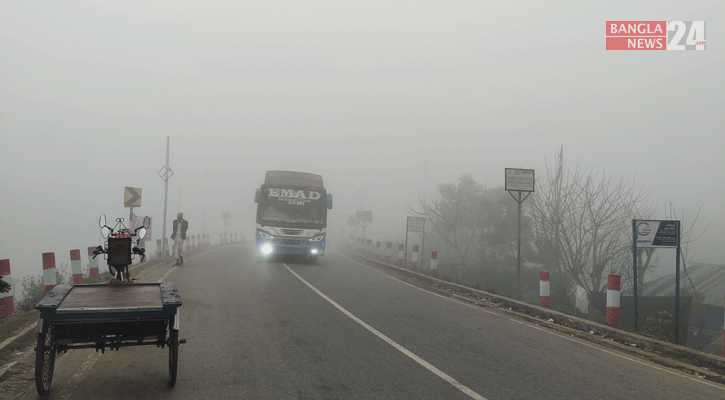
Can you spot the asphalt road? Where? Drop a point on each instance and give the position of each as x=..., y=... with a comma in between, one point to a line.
x=340, y=330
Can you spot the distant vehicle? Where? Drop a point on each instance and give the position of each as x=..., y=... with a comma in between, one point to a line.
x=292, y=214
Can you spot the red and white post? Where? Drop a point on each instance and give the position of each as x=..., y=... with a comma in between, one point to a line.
x=414, y=262
x=166, y=247
x=368, y=245
x=434, y=263
x=75, y=267
x=544, y=289
x=377, y=251
x=158, y=248
x=613, y=286
x=187, y=245
x=401, y=254
x=93, y=262
x=7, y=300
x=49, y=280
x=388, y=251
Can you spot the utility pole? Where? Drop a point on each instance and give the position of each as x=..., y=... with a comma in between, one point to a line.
x=167, y=173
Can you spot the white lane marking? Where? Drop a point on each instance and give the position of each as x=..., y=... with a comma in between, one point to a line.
x=87, y=365
x=166, y=274
x=174, y=268
x=82, y=372
x=391, y=342
x=558, y=334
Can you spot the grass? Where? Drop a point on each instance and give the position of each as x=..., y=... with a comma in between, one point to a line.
x=11, y=326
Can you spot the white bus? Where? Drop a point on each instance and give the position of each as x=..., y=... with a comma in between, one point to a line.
x=292, y=214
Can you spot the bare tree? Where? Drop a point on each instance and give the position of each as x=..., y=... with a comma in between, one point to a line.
x=455, y=215
x=581, y=222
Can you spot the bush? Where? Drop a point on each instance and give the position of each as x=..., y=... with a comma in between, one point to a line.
x=34, y=288
x=596, y=316
x=661, y=326
x=32, y=293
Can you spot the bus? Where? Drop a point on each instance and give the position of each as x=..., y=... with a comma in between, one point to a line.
x=292, y=214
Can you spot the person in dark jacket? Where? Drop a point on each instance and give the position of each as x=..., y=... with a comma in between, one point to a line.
x=179, y=236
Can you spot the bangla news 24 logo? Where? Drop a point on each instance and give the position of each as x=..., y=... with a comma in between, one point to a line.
x=656, y=35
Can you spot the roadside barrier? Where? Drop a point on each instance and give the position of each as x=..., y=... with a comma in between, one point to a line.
x=414, y=262
x=49, y=280
x=75, y=266
x=613, y=286
x=388, y=251
x=401, y=254
x=7, y=300
x=377, y=251
x=544, y=289
x=93, y=262
x=434, y=263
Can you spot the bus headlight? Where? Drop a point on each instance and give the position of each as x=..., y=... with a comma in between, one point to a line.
x=266, y=249
x=317, y=238
x=265, y=235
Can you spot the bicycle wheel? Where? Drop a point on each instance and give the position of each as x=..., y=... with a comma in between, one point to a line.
x=44, y=361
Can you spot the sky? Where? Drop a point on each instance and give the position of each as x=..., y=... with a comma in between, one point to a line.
x=384, y=99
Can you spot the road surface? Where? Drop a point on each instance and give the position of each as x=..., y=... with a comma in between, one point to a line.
x=285, y=329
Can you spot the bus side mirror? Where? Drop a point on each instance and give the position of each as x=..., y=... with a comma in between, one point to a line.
x=329, y=201
x=258, y=195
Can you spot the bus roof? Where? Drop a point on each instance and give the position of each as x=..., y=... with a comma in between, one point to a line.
x=293, y=178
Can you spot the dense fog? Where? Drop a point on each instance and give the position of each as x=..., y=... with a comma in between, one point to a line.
x=384, y=100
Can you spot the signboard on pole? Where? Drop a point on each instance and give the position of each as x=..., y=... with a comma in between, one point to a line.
x=657, y=233
x=646, y=233
x=416, y=224
x=365, y=216
x=520, y=180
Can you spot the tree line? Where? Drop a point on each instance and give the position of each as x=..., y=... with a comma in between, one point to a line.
x=577, y=224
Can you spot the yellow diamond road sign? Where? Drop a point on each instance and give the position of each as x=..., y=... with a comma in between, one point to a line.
x=132, y=197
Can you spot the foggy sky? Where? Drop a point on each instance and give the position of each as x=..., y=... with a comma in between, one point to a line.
x=389, y=97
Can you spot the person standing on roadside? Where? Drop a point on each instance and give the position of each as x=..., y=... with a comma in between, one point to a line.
x=179, y=236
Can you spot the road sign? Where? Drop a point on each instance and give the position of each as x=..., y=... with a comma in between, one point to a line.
x=132, y=197
x=365, y=216
x=657, y=233
x=226, y=215
x=416, y=224
x=519, y=179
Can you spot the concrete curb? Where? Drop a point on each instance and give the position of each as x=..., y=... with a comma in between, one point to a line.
x=683, y=358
